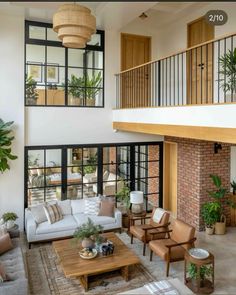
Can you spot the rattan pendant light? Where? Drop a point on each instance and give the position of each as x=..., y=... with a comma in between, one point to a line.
x=74, y=25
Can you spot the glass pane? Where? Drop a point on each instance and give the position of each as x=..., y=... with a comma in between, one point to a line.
x=36, y=32
x=53, y=194
x=95, y=40
x=53, y=158
x=76, y=57
x=74, y=176
x=53, y=176
x=95, y=59
x=55, y=95
x=94, y=78
x=74, y=192
x=123, y=154
x=36, y=177
x=74, y=156
x=51, y=35
x=35, y=196
x=90, y=156
x=56, y=55
x=34, y=93
x=109, y=155
x=35, y=158
x=35, y=54
x=109, y=172
x=89, y=190
x=124, y=171
x=55, y=75
x=90, y=169
x=94, y=97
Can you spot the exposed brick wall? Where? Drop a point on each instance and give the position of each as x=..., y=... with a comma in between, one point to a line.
x=153, y=170
x=196, y=161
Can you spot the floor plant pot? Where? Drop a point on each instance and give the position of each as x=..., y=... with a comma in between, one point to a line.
x=220, y=227
x=88, y=243
x=125, y=220
x=210, y=230
x=10, y=224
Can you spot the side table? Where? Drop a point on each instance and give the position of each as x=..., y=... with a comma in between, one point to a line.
x=199, y=286
x=14, y=231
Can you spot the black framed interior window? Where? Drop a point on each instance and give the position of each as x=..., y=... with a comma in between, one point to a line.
x=81, y=171
x=60, y=76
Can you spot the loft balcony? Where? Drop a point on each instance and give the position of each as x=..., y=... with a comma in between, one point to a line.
x=191, y=93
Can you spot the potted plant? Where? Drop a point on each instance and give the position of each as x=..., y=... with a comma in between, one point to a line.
x=76, y=93
x=87, y=233
x=219, y=196
x=227, y=63
x=5, y=145
x=92, y=87
x=205, y=272
x=210, y=214
x=233, y=185
x=30, y=91
x=123, y=196
x=9, y=218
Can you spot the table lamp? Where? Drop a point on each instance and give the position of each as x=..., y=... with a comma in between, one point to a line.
x=136, y=200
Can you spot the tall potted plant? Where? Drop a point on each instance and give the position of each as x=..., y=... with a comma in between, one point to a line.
x=210, y=214
x=227, y=63
x=75, y=90
x=6, y=139
x=219, y=195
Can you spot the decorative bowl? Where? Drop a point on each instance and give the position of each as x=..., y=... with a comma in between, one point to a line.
x=88, y=253
x=198, y=253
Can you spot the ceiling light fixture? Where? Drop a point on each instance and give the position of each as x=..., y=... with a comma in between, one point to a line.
x=74, y=25
x=143, y=16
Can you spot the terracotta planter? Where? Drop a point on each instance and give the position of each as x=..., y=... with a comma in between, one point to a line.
x=210, y=230
x=88, y=243
x=220, y=227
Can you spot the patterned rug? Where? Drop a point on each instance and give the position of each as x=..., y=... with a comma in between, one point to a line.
x=46, y=276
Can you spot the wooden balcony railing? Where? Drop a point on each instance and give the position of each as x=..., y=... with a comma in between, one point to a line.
x=203, y=74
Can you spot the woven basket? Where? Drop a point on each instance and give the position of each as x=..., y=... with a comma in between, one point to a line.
x=220, y=227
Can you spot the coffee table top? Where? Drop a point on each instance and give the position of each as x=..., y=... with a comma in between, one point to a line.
x=74, y=266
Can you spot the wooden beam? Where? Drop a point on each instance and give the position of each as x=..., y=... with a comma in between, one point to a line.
x=227, y=135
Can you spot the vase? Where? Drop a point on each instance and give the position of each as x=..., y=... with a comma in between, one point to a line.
x=88, y=243
x=10, y=224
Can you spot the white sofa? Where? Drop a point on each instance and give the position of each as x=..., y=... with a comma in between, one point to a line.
x=73, y=218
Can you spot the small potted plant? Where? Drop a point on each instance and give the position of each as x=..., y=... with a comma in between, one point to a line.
x=219, y=196
x=205, y=272
x=75, y=90
x=92, y=87
x=123, y=196
x=210, y=214
x=88, y=233
x=233, y=185
x=9, y=218
x=31, y=93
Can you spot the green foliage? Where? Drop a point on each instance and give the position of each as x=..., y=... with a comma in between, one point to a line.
x=89, y=169
x=124, y=195
x=9, y=216
x=220, y=192
x=205, y=271
x=233, y=185
x=227, y=64
x=5, y=145
x=211, y=213
x=30, y=90
x=81, y=86
x=86, y=230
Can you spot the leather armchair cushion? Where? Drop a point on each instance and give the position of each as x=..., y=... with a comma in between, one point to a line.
x=159, y=248
x=182, y=232
x=139, y=233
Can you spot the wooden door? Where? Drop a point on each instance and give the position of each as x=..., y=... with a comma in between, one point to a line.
x=200, y=63
x=135, y=85
x=170, y=177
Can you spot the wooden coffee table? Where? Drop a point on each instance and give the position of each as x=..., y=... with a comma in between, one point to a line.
x=76, y=267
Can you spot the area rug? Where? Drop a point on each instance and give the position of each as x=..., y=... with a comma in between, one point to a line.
x=46, y=276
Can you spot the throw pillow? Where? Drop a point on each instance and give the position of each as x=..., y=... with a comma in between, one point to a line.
x=65, y=207
x=157, y=216
x=38, y=213
x=92, y=206
x=107, y=208
x=53, y=213
x=5, y=243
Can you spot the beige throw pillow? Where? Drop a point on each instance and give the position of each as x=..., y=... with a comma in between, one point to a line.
x=38, y=213
x=107, y=208
x=53, y=213
x=5, y=243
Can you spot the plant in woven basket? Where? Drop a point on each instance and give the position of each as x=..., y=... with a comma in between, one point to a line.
x=88, y=233
x=5, y=145
x=123, y=195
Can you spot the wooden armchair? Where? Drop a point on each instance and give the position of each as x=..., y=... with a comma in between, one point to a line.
x=146, y=232
x=172, y=248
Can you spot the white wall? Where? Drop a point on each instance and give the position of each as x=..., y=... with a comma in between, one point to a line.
x=12, y=109
x=59, y=125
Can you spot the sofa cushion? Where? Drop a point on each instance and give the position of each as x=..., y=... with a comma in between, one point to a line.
x=159, y=247
x=107, y=208
x=65, y=207
x=38, y=213
x=102, y=220
x=81, y=218
x=67, y=223
x=77, y=206
x=5, y=243
x=53, y=213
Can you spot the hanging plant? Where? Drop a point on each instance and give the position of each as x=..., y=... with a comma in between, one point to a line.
x=5, y=145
